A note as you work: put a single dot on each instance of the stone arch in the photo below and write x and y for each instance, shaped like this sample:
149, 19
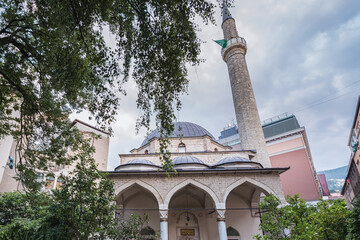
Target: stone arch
267, 190
148, 187
183, 184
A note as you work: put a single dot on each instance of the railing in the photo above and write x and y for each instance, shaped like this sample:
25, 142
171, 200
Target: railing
276, 118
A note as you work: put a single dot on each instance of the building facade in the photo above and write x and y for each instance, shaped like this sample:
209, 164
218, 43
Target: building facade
53, 180
351, 188
215, 191
214, 194
288, 146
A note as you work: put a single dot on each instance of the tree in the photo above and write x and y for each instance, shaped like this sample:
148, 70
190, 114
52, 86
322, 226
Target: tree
354, 221
54, 62
82, 208
299, 220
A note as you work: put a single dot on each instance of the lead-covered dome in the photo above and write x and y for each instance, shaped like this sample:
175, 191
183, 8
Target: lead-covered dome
236, 162
137, 165
182, 129
187, 160
140, 161
227, 160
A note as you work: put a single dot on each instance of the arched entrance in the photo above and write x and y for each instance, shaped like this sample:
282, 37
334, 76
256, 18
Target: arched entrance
242, 210
138, 200
191, 214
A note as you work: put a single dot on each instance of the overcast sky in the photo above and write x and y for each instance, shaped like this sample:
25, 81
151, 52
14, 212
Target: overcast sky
303, 58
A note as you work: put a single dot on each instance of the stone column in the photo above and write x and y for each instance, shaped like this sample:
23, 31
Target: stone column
164, 234
221, 224
55, 181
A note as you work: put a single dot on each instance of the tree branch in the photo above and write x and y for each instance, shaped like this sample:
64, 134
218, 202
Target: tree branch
10, 24
23, 92
78, 23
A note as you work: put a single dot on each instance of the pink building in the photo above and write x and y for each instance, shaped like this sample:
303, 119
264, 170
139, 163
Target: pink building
288, 146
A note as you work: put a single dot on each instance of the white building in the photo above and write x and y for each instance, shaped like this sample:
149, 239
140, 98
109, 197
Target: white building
53, 180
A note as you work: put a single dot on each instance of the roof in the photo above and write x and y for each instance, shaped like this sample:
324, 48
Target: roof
280, 126
276, 126
228, 132
231, 160
186, 160
191, 162
136, 163
140, 161
226, 13
183, 130
278, 170
88, 125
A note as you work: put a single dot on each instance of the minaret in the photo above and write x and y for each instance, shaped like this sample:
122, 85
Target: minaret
247, 116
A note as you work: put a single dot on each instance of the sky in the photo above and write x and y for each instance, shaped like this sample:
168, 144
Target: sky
303, 58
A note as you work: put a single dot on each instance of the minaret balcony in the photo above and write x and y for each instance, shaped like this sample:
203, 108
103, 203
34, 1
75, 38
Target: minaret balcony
237, 42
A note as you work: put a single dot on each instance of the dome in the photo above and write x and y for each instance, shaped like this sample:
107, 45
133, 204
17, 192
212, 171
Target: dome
231, 160
137, 165
140, 161
186, 160
182, 129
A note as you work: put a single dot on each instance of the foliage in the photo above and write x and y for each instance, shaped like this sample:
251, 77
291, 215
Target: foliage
82, 209
354, 221
21, 215
131, 228
54, 61
332, 219
299, 220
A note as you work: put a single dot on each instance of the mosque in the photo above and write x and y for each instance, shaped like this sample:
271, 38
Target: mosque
215, 191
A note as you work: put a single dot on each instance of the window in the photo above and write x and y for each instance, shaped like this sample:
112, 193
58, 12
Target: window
181, 148
216, 150
146, 151
59, 182
49, 182
232, 234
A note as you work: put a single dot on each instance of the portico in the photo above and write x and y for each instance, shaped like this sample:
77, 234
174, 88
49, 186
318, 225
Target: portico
189, 205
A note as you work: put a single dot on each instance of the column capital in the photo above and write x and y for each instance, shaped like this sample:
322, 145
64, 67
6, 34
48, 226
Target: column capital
220, 214
163, 214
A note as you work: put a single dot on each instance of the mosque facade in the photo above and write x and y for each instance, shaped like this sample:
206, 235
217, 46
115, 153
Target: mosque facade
215, 191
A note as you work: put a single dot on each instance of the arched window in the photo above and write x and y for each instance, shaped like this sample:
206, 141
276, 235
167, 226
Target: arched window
49, 184
148, 233
59, 182
232, 234
181, 148
215, 149
146, 151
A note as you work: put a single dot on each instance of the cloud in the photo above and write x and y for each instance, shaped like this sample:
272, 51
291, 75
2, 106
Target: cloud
303, 57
